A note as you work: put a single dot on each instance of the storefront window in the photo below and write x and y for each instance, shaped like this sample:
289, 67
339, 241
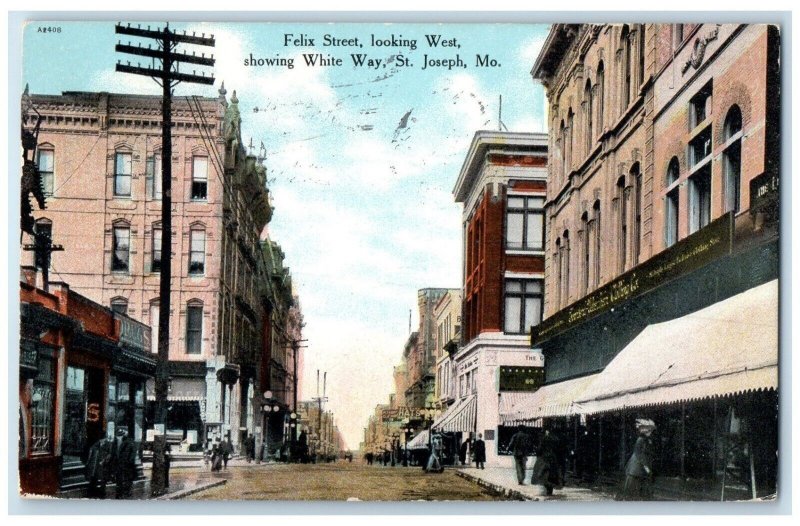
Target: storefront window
42, 405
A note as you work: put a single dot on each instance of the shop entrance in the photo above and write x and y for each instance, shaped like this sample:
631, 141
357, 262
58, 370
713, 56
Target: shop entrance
83, 408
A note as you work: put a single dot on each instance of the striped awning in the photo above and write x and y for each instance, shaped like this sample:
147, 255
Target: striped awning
461, 417
512, 401
728, 348
420, 441
182, 390
549, 401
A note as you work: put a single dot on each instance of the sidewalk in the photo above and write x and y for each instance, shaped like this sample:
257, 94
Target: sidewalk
504, 481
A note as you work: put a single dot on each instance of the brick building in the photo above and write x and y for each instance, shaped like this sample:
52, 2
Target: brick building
502, 185
662, 235
100, 158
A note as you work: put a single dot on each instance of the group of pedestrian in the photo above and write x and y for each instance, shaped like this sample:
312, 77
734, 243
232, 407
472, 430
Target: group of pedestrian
550, 463
476, 449
219, 454
250, 448
112, 460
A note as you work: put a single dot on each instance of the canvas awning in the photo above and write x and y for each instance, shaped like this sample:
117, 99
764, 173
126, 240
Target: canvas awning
461, 417
510, 402
420, 441
181, 390
727, 348
549, 401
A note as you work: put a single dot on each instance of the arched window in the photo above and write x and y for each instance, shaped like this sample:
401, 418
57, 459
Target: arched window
625, 45
45, 161
636, 177
557, 257
601, 90
119, 305
589, 110
123, 168
622, 196
562, 133
194, 327
197, 250
597, 238
732, 159
641, 54
587, 243
120, 246
571, 138
673, 210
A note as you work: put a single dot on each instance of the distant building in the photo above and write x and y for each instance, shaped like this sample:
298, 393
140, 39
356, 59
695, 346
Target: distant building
421, 359
447, 315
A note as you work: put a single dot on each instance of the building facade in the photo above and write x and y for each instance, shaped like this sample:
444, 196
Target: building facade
421, 358
447, 316
662, 231
100, 160
502, 186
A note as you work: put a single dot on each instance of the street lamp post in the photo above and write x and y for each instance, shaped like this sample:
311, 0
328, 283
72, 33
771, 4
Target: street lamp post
268, 408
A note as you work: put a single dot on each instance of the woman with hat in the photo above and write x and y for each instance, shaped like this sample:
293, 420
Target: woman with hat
639, 469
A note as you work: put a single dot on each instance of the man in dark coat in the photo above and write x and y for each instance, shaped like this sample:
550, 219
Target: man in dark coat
462, 452
97, 468
520, 447
227, 451
639, 469
548, 465
123, 462
479, 451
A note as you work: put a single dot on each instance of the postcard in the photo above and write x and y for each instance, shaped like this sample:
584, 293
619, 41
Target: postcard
399, 261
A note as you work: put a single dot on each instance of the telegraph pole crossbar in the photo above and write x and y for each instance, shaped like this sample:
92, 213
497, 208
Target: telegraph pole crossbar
168, 76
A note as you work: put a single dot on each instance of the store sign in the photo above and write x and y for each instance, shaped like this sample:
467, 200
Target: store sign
764, 191
402, 413
133, 333
520, 378
93, 412
691, 253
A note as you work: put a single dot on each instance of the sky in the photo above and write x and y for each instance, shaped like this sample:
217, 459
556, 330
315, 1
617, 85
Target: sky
361, 163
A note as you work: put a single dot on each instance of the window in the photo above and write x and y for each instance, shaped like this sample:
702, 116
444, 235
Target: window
46, 162
557, 255
119, 305
153, 176
622, 195
570, 138
700, 106
700, 199
637, 213
120, 253
122, 174
194, 328
641, 54
600, 95
197, 251
563, 139
677, 35
586, 252
587, 96
200, 178
732, 159
525, 223
154, 313
597, 245
523, 305
42, 404
155, 263
565, 268
700, 147
673, 210
625, 42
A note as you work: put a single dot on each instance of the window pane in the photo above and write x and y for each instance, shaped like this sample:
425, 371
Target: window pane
516, 202
121, 249
200, 169
156, 250
45, 160
119, 306
194, 329
154, 313
197, 254
514, 230
536, 202
123, 164
122, 185
533, 286
535, 232
533, 313
513, 306
513, 286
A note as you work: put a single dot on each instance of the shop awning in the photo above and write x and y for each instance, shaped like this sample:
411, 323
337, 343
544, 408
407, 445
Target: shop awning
549, 401
181, 390
511, 402
461, 417
727, 348
420, 441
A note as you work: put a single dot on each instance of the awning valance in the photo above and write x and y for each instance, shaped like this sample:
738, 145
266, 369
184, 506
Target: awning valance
420, 441
727, 348
181, 390
461, 417
549, 401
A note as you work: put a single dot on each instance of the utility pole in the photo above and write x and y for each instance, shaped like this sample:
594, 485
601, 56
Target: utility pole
168, 75
320, 400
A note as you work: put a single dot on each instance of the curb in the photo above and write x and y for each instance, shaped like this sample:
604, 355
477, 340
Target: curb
191, 491
495, 488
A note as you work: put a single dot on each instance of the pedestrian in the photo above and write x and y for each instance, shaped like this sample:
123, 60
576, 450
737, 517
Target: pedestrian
639, 469
547, 470
434, 464
167, 462
123, 462
216, 455
97, 468
462, 452
227, 451
520, 447
479, 451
